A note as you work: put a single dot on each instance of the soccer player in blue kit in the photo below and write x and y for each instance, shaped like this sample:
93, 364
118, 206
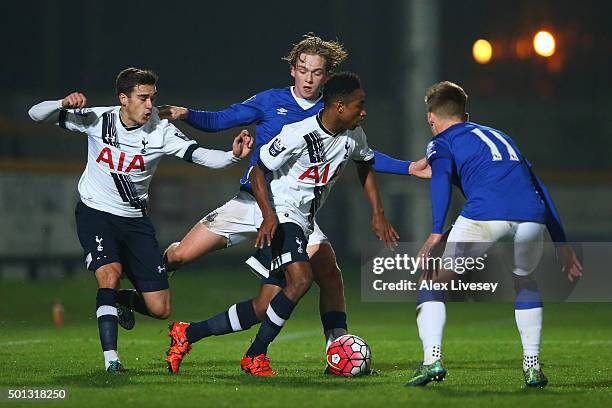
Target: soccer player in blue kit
311, 61
504, 199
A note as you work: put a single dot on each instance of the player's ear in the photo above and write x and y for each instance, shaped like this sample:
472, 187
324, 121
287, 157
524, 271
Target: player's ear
430, 119
292, 71
340, 105
123, 99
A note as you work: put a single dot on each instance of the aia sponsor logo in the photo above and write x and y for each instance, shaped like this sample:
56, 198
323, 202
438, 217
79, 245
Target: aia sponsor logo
319, 176
106, 156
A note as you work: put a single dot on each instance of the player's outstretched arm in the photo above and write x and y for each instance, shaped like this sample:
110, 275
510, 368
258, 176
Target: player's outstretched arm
241, 114
382, 228
389, 165
179, 145
570, 264
260, 191
48, 111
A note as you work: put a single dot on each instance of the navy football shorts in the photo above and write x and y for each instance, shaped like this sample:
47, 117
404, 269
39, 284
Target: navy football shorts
108, 238
288, 246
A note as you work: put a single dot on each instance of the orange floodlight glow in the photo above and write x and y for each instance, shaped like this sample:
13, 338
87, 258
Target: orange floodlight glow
482, 51
544, 43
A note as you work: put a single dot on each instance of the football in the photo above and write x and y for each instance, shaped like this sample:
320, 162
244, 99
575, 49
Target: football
349, 356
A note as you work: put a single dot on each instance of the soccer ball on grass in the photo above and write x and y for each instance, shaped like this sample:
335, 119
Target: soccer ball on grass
349, 356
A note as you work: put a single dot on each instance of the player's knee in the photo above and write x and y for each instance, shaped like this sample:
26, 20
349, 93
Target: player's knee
525, 282
260, 306
299, 285
175, 254
108, 276
160, 310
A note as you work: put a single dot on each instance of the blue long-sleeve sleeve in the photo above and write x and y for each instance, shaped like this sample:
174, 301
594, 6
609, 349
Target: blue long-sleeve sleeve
389, 165
440, 188
238, 114
553, 220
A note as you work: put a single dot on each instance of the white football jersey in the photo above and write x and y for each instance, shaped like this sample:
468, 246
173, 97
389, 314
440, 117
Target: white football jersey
121, 161
305, 160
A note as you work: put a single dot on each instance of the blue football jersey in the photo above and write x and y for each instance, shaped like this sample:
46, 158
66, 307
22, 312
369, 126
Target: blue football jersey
269, 110
494, 177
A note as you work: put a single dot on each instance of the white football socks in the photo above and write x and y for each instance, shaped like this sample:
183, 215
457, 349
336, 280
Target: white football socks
110, 355
430, 322
529, 323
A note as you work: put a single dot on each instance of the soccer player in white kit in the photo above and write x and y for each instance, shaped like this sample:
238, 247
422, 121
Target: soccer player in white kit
311, 62
303, 163
125, 145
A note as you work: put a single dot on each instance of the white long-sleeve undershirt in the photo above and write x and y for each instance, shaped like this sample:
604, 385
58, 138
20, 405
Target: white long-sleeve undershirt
48, 112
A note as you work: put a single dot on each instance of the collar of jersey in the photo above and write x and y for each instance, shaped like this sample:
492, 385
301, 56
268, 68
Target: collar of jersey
128, 128
320, 122
452, 128
304, 103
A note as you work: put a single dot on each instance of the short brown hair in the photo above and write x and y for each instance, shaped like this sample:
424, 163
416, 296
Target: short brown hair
446, 99
131, 77
332, 51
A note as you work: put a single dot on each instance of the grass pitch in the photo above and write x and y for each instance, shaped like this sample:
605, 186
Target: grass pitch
481, 351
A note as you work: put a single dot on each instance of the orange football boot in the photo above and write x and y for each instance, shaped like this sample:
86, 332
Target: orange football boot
258, 366
179, 346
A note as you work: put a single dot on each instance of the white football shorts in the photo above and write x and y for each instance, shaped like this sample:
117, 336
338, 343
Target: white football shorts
238, 220
471, 238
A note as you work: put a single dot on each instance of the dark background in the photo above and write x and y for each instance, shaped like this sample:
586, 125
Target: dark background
209, 55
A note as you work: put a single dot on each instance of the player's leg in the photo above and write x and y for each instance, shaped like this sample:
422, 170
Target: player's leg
97, 237
198, 241
144, 268
431, 319
327, 275
238, 317
228, 225
468, 238
298, 274
431, 311
108, 277
528, 246
299, 280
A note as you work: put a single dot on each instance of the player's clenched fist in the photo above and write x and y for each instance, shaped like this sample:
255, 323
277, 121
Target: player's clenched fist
420, 169
243, 143
74, 100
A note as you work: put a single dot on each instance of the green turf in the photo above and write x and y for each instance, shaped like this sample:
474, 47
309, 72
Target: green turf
481, 351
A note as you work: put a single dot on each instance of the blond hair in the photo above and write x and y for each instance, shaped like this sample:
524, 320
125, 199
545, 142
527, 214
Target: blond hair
332, 51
